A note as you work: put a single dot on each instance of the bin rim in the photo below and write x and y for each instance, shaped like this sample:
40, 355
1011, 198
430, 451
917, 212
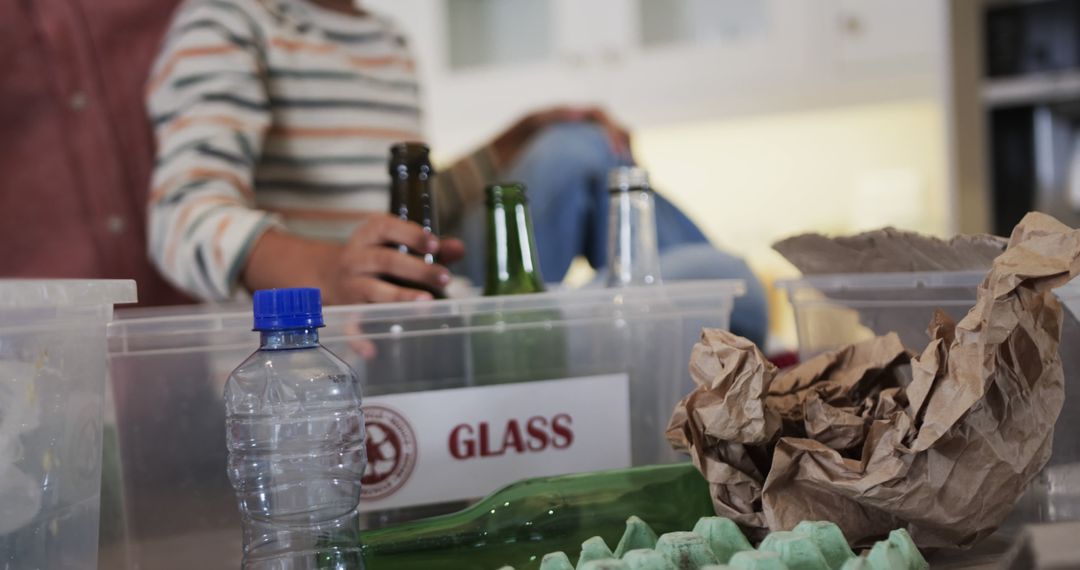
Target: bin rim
830, 282
677, 298
40, 293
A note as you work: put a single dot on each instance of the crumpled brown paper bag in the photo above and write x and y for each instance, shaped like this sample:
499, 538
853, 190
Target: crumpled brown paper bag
874, 438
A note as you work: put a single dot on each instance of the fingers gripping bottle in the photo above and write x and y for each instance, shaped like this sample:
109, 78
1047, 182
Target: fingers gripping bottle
296, 441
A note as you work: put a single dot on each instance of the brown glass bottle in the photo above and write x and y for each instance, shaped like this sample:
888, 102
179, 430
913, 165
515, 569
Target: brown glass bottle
412, 198
408, 355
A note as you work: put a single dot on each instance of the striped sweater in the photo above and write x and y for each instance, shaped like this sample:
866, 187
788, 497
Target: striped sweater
278, 113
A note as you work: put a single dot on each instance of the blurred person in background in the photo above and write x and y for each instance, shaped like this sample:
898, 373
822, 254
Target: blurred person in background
273, 120
77, 152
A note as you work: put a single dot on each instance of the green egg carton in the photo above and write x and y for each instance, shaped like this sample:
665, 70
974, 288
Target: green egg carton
716, 543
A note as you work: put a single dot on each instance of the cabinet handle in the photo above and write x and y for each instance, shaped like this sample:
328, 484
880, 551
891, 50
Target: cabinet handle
851, 25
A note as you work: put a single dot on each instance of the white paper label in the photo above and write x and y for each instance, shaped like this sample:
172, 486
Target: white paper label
464, 443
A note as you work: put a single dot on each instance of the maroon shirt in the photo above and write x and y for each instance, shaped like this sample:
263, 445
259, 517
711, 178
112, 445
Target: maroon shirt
76, 148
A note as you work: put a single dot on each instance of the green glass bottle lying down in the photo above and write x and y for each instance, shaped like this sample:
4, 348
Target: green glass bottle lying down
521, 523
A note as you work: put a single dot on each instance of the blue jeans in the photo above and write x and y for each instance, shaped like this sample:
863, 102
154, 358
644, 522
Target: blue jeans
565, 168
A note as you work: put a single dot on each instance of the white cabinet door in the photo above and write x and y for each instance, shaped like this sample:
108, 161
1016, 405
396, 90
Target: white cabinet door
662, 61
467, 105
767, 56
883, 36
592, 31
880, 50
740, 60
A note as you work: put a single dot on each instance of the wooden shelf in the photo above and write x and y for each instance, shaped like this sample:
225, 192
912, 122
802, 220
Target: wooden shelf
1043, 88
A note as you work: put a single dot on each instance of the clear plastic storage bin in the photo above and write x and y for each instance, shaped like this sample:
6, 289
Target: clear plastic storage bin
461, 397
52, 394
834, 310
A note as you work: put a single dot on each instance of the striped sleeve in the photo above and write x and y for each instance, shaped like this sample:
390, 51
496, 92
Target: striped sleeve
462, 185
209, 108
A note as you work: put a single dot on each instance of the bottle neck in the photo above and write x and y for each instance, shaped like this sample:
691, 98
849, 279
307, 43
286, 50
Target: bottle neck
412, 198
633, 252
289, 339
513, 265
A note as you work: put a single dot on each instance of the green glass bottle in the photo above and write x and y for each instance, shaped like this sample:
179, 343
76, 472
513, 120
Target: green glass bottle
521, 523
513, 267
514, 344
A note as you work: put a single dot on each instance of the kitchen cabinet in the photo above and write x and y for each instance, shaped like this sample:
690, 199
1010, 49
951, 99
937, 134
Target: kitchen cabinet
884, 36
483, 63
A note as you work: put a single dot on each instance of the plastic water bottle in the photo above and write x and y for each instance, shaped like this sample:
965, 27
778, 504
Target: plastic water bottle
296, 441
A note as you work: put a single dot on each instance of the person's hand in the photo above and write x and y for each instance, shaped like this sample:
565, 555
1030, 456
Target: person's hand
511, 142
371, 254
353, 272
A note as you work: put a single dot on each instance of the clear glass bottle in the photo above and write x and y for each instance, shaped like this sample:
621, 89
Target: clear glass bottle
295, 434
633, 254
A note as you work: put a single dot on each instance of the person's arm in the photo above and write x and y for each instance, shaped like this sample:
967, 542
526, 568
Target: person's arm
209, 109
462, 184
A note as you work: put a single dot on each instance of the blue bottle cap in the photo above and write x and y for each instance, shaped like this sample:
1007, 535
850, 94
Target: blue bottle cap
284, 309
